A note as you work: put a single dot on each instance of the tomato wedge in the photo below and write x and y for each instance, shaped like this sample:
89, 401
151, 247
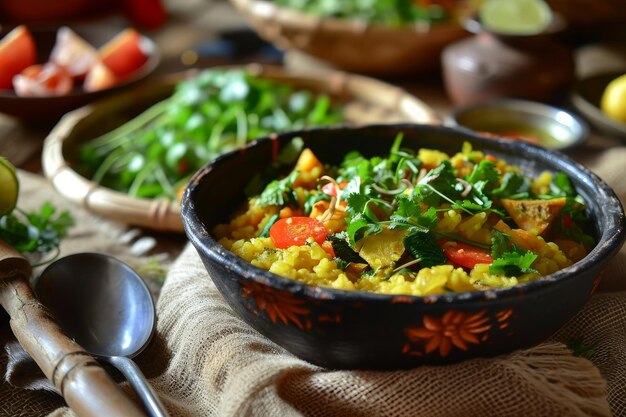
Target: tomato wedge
17, 52
466, 255
295, 231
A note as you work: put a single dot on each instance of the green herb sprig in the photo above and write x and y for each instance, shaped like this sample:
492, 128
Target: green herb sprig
36, 232
154, 154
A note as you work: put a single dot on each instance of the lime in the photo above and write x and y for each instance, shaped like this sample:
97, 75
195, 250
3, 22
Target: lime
613, 101
9, 187
515, 17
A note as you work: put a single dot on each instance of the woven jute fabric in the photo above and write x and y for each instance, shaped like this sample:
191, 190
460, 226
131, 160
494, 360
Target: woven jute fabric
205, 361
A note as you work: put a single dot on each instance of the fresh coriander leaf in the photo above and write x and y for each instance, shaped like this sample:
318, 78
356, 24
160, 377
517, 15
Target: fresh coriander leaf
278, 192
394, 152
409, 214
472, 207
514, 186
499, 243
561, 186
438, 186
421, 245
484, 171
37, 231
359, 227
513, 264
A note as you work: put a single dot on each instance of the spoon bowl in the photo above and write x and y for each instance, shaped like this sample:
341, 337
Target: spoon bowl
106, 307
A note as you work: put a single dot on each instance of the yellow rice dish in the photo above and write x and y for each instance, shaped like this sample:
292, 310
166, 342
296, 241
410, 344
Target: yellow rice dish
415, 222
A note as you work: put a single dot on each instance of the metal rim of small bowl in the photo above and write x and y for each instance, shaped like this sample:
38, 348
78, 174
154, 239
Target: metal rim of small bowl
609, 242
525, 107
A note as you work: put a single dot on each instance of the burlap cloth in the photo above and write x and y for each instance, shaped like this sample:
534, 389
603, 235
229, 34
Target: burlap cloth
205, 361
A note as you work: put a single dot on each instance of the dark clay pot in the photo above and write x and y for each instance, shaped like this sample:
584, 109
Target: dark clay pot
353, 329
489, 65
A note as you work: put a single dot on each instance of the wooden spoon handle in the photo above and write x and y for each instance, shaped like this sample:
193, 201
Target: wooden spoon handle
84, 384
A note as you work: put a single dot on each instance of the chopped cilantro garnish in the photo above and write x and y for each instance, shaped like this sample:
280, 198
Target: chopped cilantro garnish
278, 192
359, 227
423, 246
514, 264
484, 171
36, 231
514, 186
560, 186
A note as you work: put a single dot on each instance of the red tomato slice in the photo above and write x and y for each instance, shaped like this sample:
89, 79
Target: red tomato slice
466, 255
17, 52
98, 78
294, 231
125, 53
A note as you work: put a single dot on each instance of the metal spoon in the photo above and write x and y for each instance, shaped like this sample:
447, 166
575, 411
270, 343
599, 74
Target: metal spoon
107, 308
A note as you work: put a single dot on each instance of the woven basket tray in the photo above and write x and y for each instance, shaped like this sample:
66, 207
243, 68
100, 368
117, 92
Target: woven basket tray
350, 44
364, 100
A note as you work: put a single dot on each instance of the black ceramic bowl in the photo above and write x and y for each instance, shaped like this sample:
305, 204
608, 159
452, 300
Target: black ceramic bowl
349, 329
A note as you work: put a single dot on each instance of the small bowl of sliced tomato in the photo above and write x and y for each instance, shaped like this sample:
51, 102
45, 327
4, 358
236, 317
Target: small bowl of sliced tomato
44, 73
392, 246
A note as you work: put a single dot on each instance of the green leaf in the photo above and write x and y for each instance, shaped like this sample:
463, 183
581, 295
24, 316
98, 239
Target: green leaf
513, 264
359, 227
484, 171
499, 243
278, 192
561, 186
37, 231
424, 246
438, 186
514, 186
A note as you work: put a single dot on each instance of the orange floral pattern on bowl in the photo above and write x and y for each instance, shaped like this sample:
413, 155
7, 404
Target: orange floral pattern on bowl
455, 329
279, 305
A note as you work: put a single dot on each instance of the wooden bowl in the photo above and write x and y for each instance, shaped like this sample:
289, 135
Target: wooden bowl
356, 329
48, 110
364, 100
351, 45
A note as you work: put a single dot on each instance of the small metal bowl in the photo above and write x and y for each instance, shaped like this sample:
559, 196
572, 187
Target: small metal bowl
529, 121
586, 97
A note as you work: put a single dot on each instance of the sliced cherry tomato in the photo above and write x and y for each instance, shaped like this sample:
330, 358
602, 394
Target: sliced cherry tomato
295, 231
491, 158
466, 255
99, 77
125, 53
328, 247
17, 52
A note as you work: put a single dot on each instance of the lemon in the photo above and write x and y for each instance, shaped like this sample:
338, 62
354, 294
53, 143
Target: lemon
515, 17
9, 187
613, 101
